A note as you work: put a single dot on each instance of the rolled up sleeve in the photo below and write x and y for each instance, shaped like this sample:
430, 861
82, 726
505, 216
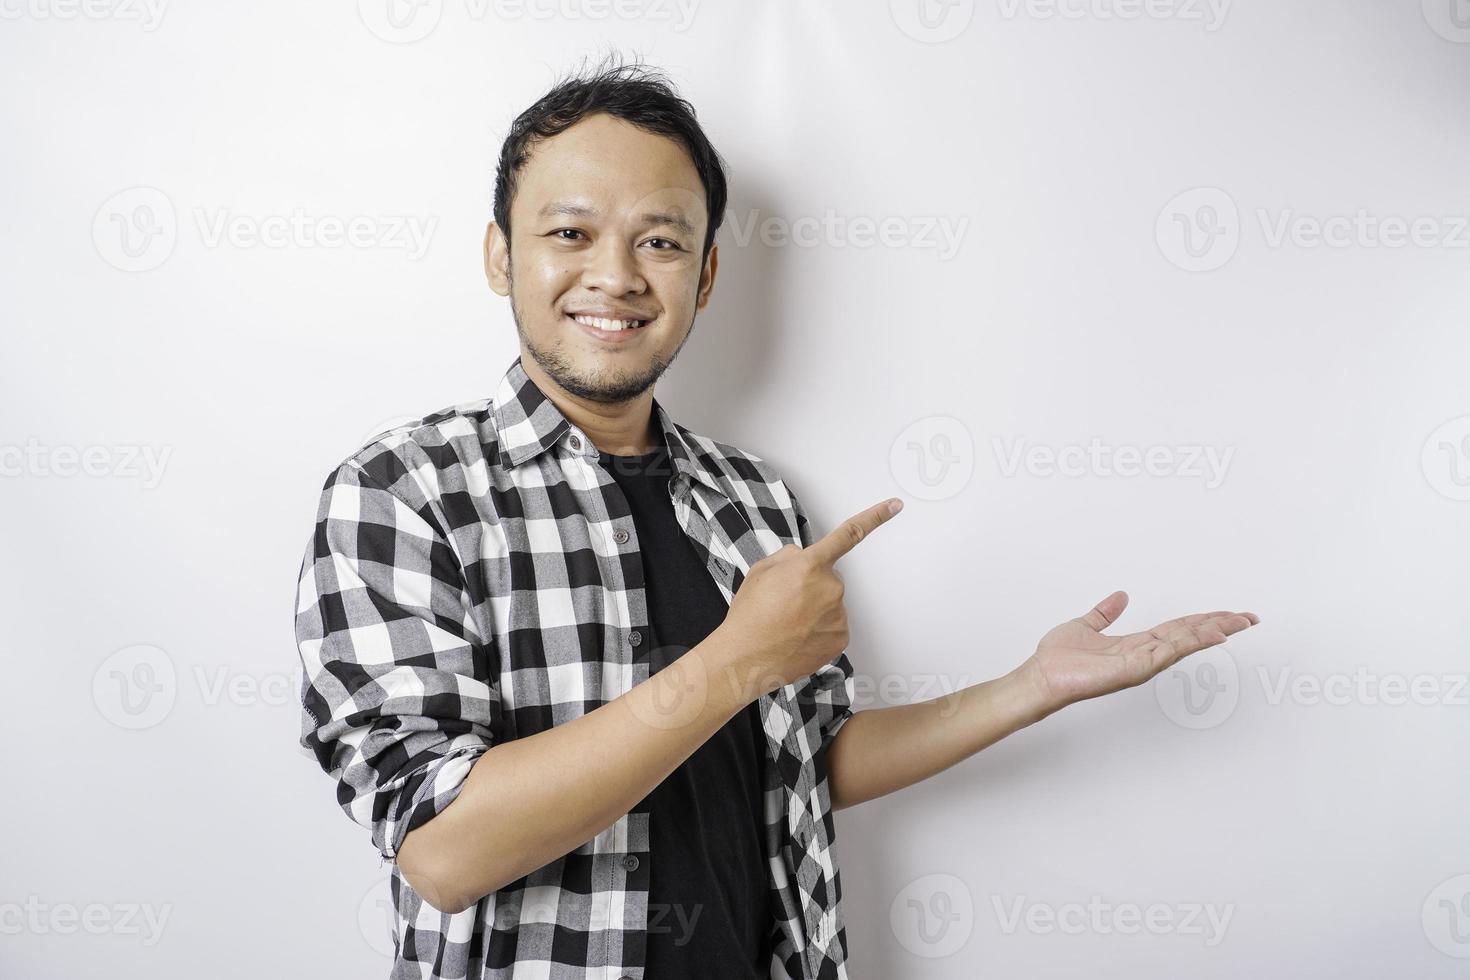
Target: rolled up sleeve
832, 688
398, 698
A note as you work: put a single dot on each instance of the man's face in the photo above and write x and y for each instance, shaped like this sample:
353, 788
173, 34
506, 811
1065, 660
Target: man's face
607, 220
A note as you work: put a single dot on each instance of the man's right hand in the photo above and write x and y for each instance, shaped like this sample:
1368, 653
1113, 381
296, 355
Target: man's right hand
788, 611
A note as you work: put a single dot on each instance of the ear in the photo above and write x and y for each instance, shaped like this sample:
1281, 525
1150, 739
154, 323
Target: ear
707, 278
497, 260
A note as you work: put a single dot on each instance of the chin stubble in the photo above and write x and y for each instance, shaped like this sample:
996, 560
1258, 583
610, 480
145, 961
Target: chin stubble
598, 389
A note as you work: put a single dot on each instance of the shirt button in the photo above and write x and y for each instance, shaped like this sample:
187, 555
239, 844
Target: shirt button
630, 862
620, 536
635, 638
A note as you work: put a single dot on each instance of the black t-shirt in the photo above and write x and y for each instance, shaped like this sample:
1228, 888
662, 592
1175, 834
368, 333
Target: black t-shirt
709, 914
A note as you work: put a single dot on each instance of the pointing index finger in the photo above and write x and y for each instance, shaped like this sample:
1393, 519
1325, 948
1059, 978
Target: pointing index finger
845, 536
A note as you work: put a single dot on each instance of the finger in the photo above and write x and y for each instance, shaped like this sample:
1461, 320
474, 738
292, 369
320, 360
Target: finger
845, 536
1196, 619
1106, 612
1190, 620
1169, 648
1183, 639
1228, 623
1235, 622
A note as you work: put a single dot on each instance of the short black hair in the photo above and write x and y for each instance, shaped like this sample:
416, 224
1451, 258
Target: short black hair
631, 91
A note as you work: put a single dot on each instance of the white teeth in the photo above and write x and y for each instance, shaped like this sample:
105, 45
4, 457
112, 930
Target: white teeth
603, 324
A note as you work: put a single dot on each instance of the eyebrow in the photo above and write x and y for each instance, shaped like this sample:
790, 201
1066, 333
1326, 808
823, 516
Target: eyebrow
567, 208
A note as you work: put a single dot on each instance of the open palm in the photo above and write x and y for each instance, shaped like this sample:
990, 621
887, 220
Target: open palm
1076, 661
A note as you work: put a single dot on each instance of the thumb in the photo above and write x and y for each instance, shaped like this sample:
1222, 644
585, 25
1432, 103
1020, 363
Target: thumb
1106, 612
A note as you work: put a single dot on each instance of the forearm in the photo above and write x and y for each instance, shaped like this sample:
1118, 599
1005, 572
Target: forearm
880, 750
528, 801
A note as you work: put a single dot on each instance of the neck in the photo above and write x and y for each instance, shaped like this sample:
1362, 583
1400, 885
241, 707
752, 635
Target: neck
623, 429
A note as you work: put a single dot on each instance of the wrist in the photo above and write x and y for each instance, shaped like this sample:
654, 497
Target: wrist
734, 671
1030, 691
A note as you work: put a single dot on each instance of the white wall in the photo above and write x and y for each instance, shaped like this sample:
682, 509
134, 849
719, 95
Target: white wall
1065, 150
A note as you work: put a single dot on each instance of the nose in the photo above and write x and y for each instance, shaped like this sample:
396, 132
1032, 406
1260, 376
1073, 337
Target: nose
612, 268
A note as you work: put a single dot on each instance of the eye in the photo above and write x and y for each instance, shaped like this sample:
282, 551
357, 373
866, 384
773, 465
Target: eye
673, 245
574, 231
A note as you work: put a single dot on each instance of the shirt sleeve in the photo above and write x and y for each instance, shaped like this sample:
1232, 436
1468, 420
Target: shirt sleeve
832, 688
397, 698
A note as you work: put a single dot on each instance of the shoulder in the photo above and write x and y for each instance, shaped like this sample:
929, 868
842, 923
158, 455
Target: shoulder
420, 459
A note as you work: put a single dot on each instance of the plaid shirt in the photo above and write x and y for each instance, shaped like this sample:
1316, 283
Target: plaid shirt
465, 585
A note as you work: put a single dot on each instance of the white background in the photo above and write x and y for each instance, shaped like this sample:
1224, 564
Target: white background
1075, 146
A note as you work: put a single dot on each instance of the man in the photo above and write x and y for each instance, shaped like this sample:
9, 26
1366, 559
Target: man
579, 670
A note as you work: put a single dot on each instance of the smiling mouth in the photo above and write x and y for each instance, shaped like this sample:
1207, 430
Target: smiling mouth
606, 325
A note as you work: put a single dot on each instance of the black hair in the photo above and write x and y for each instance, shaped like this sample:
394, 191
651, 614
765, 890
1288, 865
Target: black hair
631, 91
